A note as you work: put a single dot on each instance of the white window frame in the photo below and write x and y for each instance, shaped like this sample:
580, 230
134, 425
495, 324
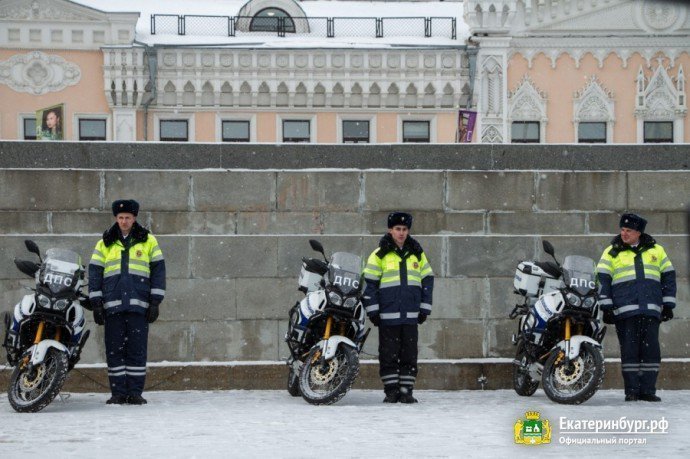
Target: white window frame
220, 117
304, 117
371, 117
418, 117
189, 117
93, 116
20, 124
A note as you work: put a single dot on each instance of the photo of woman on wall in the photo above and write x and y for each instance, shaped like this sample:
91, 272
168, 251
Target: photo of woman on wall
51, 123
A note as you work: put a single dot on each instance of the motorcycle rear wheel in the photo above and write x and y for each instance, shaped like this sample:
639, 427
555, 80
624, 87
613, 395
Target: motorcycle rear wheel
590, 366
30, 392
293, 383
523, 383
326, 383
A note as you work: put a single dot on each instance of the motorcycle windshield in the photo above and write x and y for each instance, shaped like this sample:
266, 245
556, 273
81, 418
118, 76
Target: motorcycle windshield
61, 270
344, 271
578, 274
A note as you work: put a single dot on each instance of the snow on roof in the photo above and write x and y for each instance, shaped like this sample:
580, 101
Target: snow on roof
313, 9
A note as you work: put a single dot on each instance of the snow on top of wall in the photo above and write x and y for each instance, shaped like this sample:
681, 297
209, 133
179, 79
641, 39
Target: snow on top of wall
313, 9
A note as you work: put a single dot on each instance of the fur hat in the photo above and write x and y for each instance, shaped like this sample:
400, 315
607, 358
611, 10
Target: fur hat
125, 205
399, 218
633, 222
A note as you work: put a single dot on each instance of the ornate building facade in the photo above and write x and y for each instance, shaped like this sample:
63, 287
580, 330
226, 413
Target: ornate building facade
549, 71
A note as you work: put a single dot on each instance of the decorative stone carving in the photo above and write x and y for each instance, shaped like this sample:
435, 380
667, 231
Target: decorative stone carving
527, 103
491, 134
38, 73
593, 103
660, 98
44, 10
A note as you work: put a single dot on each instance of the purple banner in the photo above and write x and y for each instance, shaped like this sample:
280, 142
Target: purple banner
466, 120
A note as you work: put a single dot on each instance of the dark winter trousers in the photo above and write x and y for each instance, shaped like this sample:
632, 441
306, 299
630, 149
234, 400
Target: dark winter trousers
398, 356
126, 338
640, 354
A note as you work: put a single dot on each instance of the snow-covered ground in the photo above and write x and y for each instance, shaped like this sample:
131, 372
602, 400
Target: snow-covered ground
271, 424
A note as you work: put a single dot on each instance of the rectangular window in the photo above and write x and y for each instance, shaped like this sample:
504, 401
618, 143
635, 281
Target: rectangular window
524, 132
416, 131
92, 129
235, 131
658, 131
174, 130
355, 131
296, 131
591, 133
29, 128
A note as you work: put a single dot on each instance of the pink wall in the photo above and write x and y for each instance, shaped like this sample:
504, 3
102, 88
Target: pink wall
87, 96
561, 83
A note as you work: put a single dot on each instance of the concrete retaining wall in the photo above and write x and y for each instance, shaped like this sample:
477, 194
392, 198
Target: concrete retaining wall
233, 229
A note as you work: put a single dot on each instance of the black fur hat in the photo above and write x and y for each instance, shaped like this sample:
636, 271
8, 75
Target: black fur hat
125, 205
634, 222
399, 218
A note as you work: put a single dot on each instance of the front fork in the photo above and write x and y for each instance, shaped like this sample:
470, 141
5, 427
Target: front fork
326, 334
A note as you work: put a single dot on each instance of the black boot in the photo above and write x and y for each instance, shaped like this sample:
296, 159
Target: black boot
632, 398
649, 398
136, 400
406, 395
117, 400
392, 396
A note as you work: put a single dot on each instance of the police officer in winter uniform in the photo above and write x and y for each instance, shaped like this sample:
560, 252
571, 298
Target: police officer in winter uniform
637, 291
397, 298
126, 287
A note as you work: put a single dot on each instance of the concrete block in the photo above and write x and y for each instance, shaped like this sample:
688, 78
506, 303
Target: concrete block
216, 191
49, 189
587, 246
233, 256
582, 191
388, 191
659, 191
291, 249
154, 190
500, 332
485, 190
343, 223
678, 250
682, 309
673, 338
199, 300
19, 222
11, 293
477, 256
657, 222
536, 223
451, 339
456, 298
176, 251
605, 222
82, 222
206, 223
310, 191
502, 299
266, 298
279, 223
432, 222
13, 247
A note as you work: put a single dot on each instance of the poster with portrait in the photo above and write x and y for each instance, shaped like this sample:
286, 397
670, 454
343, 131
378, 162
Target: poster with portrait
49, 122
466, 121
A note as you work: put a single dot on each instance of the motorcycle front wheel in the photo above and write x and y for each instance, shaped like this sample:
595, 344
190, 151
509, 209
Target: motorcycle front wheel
523, 383
326, 382
33, 389
576, 381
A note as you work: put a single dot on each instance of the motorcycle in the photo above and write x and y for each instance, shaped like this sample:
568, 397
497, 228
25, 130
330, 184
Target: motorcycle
559, 335
326, 328
41, 349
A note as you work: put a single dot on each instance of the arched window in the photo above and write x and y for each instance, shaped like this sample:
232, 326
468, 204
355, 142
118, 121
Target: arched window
270, 19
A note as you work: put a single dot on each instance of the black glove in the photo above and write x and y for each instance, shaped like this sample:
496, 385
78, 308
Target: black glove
609, 317
152, 312
376, 320
421, 318
666, 314
98, 311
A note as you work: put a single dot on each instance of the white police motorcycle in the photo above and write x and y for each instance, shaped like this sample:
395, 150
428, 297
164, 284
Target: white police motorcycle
326, 329
559, 335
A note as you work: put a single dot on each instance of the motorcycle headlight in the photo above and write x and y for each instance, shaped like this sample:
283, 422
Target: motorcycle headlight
335, 298
350, 303
589, 302
60, 304
44, 301
573, 299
